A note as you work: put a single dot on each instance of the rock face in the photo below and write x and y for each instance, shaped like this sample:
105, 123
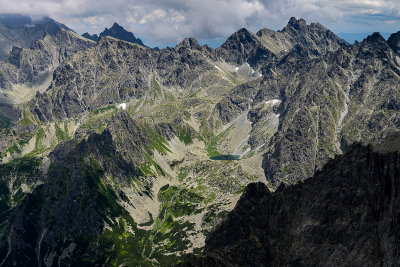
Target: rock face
346, 215
27, 70
32, 65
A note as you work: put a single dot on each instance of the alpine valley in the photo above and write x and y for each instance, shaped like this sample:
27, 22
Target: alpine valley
278, 148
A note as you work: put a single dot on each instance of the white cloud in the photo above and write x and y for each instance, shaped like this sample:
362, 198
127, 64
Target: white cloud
172, 20
93, 20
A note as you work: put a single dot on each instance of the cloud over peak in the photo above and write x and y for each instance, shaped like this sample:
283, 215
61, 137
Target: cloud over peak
170, 21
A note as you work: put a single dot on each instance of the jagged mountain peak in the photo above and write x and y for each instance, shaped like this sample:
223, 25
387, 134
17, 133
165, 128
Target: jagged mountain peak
375, 37
119, 32
242, 35
394, 42
299, 28
301, 25
375, 44
269, 46
93, 37
190, 43
297, 24
117, 26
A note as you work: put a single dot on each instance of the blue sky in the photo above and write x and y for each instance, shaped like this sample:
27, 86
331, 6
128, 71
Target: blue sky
166, 22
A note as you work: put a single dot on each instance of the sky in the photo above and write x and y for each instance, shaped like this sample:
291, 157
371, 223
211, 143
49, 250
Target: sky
166, 22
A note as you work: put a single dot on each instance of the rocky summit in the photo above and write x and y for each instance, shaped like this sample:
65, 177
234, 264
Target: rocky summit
115, 31
278, 148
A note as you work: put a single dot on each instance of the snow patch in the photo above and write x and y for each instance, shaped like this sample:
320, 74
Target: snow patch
273, 102
218, 68
342, 116
123, 106
25, 188
76, 128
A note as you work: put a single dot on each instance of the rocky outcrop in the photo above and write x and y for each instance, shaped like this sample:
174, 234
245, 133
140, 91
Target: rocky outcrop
28, 70
346, 215
244, 47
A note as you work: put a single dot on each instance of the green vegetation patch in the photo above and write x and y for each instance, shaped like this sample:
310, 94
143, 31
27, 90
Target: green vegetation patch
184, 135
27, 118
158, 142
212, 144
61, 133
111, 108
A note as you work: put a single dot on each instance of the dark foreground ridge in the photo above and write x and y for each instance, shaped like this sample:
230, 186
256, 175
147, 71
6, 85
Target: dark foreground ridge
346, 215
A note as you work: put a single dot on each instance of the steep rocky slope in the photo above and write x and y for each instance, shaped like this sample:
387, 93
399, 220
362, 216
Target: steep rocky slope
346, 215
320, 106
22, 31
26, 71
36, 63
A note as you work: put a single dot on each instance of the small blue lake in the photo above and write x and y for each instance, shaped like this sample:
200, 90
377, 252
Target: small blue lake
226, 157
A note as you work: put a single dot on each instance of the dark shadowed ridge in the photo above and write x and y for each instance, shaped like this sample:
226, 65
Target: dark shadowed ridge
346, 215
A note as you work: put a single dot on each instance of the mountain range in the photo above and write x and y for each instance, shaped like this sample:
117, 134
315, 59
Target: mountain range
255, 153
